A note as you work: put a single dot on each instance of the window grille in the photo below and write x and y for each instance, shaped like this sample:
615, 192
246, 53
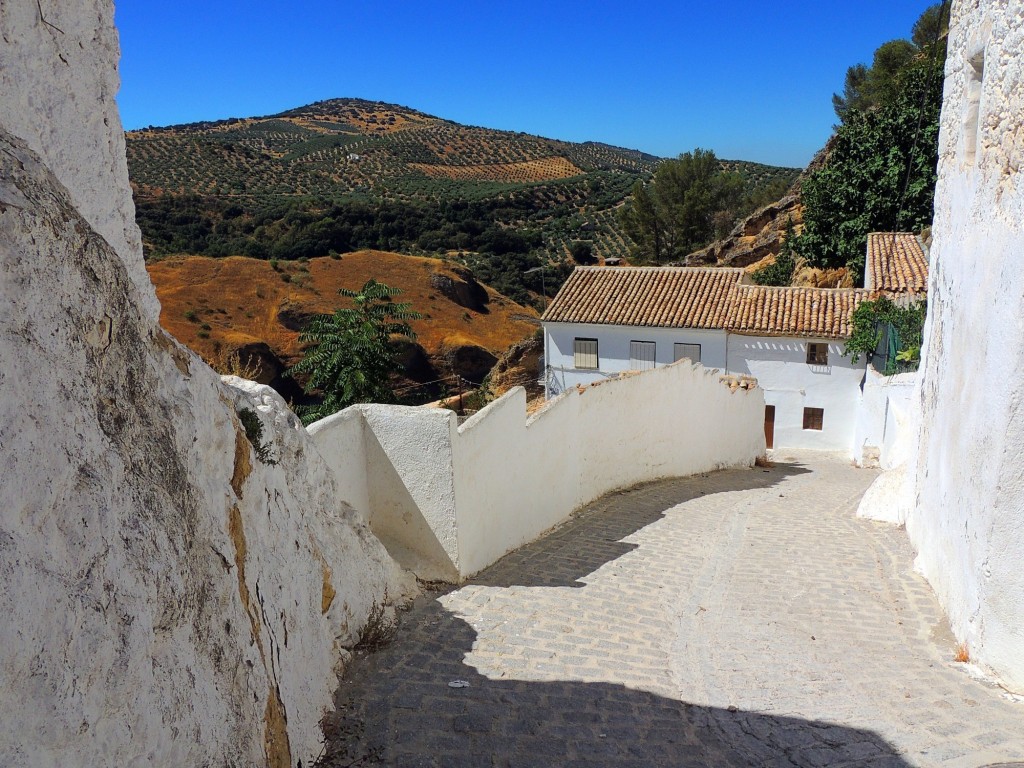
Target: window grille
813, 418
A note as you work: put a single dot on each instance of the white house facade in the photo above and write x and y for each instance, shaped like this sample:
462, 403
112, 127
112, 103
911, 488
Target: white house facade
604, 322
792, 341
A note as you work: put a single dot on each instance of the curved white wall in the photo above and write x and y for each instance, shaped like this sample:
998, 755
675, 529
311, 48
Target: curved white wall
450, 501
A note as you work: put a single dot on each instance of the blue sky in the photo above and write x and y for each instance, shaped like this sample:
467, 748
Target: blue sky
752, 81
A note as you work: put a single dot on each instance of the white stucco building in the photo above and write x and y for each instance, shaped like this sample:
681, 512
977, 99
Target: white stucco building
607, 321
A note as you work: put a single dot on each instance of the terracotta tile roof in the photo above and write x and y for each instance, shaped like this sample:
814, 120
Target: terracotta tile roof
664, 297
819, 312
896, 263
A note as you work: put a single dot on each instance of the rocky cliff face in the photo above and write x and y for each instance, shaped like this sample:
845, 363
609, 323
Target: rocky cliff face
760, 234
180, 582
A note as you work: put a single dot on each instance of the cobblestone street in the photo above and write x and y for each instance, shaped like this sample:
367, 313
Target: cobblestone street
741, 618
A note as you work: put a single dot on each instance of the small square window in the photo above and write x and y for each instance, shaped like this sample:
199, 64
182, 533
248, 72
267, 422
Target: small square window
813, 418
584, 352
817, 354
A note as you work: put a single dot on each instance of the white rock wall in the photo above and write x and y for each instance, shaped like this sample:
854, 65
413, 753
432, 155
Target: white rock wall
967, 516
168, 599
58, 80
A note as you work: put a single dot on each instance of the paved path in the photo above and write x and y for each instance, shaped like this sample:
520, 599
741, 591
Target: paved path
740, 618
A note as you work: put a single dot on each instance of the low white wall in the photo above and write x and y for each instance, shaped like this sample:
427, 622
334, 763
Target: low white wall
514, 479
885, 424
780, 366
340, 439
613, 349
448, 501
394, 465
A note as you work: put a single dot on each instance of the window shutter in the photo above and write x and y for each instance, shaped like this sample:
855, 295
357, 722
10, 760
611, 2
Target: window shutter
641, 355
689, 351
585, 353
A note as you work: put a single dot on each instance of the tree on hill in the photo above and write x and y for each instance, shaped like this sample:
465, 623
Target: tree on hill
674, 214
881, 173
350, 357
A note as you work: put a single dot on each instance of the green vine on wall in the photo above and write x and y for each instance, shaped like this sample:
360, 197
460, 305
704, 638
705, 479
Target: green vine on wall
872, 318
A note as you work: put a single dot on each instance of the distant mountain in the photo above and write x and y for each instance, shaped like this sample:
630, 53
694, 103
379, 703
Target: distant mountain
345, 174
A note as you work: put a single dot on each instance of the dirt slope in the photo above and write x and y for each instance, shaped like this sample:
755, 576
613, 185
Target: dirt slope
217, 306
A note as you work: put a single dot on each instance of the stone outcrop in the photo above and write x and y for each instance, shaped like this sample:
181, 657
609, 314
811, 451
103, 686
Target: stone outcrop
461, 286
757, 236
520, 366
180, 581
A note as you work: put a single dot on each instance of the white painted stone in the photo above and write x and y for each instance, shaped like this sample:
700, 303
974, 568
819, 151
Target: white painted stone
168, 598
58, 79
967, 518
886, 421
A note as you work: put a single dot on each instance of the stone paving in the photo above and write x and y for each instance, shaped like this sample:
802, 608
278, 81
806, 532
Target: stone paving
740, 618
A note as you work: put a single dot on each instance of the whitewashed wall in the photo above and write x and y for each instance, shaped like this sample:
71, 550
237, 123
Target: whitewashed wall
613, 349
780, 366
168, 598
448, 502
885, 420
967, 495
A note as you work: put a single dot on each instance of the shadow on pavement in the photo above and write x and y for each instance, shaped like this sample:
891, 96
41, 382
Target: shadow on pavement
595, 535
395, 707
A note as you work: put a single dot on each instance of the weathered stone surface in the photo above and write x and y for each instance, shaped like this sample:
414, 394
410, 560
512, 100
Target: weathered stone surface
461, 287
520, 366
967, 490
170, 597
164, 589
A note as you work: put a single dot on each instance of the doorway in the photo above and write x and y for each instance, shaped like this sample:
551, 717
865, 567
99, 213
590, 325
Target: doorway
769, 426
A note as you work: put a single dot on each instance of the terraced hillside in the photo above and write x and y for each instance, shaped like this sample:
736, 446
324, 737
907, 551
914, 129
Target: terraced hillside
345, 174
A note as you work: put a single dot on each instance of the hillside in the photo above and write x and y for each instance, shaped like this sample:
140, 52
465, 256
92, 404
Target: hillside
218, 306
346, 174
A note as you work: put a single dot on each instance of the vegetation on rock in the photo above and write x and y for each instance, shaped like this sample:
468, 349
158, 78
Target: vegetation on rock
779, 272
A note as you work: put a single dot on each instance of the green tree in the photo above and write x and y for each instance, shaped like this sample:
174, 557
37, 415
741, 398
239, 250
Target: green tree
867, 88
350, 357
881, 170
880, 175
674, 214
